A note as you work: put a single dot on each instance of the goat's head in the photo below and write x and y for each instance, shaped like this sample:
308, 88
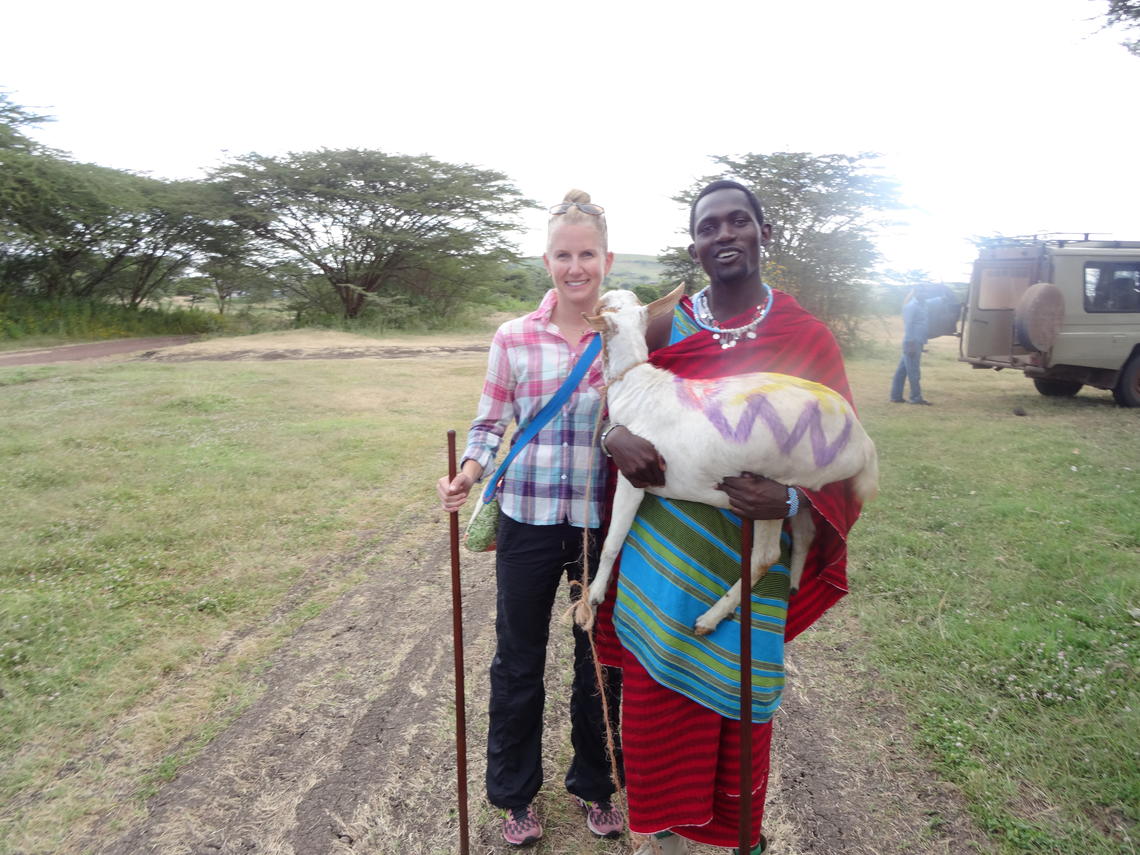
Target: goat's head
622, 309
622, 322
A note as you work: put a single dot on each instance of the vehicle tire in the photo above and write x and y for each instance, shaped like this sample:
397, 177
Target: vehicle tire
1127, 389
1038, 316
1057, 388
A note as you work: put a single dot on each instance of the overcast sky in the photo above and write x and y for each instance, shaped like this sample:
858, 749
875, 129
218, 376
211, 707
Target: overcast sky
997, 116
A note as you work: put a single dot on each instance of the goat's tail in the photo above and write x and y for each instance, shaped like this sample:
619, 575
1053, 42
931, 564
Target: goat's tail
866, 481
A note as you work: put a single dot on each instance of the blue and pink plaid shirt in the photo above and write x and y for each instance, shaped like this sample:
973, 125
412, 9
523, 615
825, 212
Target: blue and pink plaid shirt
546, 483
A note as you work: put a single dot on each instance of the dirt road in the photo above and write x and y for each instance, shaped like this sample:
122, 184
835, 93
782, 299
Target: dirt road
350, 746
91, 350
185, 348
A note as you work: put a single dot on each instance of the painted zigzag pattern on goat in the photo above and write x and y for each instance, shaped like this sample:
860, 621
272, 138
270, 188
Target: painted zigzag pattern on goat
706, 397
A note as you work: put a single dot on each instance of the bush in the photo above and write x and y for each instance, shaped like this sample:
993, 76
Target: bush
25, 317
22, 317
249, 320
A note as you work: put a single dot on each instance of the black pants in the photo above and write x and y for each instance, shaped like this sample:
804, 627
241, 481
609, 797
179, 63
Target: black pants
530, 563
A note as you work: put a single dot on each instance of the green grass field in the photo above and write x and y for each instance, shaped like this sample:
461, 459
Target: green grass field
998, 576
155, 511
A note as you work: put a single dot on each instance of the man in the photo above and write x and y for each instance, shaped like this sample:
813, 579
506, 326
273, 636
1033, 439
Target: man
916, 331
681, 742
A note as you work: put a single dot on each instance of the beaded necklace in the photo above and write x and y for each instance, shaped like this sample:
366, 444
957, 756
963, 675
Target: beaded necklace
728, 337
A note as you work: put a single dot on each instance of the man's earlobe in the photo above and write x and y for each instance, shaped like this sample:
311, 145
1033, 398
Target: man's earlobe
693, 252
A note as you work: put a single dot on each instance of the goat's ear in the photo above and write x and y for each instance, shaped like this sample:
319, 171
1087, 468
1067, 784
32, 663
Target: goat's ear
664, 305
596, 322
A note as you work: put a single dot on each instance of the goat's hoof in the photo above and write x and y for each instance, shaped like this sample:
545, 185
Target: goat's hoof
793, 591
584, 617
702, 629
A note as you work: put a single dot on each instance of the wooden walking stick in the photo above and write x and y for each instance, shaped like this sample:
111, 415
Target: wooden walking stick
457, 634
746, 530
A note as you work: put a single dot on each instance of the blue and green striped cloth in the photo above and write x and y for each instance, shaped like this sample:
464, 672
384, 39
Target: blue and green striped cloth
678, 560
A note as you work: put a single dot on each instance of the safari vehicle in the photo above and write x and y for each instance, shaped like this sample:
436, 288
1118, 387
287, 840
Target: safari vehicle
1064, 311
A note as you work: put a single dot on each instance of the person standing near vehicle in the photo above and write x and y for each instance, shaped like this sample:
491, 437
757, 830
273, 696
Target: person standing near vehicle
680, 708
545, 508
916, 331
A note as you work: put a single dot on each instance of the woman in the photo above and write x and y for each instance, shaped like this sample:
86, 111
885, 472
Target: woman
544, 510
680, 726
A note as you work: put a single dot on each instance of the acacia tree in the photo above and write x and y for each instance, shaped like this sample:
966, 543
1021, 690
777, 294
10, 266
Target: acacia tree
1126, 15
13, 117
155, 236
376, 225
824, 210
227, 268
64, 225
678, 267
53, 212
78, 230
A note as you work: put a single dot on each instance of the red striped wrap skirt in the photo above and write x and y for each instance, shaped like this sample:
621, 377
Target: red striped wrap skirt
682, 764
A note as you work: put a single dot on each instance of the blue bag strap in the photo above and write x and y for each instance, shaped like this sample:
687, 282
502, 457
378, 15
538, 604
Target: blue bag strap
547, 412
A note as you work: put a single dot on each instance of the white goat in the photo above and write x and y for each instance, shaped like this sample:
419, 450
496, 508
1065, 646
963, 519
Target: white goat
774, 425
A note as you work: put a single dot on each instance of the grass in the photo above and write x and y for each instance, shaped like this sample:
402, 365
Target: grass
163, 522
29, 322
156, 517
998, 578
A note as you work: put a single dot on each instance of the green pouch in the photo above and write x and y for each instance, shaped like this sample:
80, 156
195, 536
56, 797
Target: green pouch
483, 527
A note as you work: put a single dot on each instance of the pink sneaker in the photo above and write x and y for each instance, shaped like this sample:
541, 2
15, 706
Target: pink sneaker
602, 818
521, 826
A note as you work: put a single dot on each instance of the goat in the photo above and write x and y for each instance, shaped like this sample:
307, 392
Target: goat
689, 423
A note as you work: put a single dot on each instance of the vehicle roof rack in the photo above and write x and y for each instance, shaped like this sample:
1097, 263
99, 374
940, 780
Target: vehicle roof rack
1057, 239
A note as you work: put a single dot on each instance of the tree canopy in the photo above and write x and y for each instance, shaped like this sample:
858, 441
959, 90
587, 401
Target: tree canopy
362, 232
336, 232
680, 268
1125, 14
72, 229
374, 224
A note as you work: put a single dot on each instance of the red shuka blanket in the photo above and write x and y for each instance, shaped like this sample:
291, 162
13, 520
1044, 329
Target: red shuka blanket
790, 341
682, 759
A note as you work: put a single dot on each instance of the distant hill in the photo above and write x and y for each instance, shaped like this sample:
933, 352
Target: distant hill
629, 270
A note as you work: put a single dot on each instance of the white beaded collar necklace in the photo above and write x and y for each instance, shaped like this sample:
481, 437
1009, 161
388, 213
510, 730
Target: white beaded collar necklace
728, 336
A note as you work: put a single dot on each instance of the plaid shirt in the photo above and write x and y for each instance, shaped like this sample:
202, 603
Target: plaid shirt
546, 482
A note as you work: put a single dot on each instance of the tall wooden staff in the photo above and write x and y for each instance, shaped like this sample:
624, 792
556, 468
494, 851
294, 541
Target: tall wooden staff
457, 634
746, 530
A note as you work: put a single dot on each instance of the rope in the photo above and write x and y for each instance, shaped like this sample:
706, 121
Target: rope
583, 608
582, 612
621, 377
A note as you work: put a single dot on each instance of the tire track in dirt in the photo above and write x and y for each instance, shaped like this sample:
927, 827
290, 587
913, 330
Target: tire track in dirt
351, 747
383, 731
345, 702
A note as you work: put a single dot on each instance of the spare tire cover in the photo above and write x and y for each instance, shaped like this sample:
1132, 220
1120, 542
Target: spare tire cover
1038, 316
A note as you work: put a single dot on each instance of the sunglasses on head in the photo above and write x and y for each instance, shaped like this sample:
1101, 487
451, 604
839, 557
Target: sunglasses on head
584, 207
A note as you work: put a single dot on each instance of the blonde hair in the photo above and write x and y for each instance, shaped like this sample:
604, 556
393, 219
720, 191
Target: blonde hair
578, 217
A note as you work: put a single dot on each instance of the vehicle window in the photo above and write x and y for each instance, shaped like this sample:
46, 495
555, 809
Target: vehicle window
1002, 285
1112, 286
